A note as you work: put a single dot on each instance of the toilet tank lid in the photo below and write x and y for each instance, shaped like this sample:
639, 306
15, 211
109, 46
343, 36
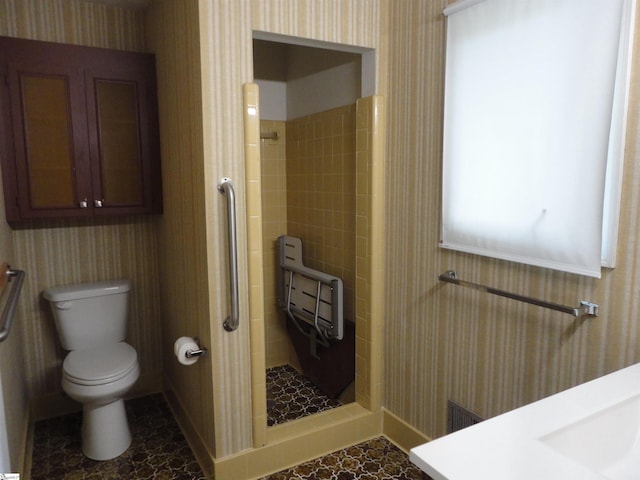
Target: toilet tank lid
86, 290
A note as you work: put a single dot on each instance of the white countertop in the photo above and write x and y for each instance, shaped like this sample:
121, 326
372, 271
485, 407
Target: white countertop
513, 446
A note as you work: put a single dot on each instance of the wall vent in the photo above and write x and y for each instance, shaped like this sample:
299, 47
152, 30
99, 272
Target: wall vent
459, 417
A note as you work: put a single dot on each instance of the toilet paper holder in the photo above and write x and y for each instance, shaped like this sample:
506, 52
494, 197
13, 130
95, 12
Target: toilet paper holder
200, 352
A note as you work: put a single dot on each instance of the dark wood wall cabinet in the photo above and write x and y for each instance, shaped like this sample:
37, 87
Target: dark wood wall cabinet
79, 131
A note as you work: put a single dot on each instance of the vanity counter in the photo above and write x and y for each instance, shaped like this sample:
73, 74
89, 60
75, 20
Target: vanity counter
588, 432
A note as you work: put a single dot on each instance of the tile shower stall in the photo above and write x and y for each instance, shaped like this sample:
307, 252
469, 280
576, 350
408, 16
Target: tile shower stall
309, 174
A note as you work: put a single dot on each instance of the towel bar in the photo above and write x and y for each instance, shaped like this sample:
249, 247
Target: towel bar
269, 136
585, 308
12, 302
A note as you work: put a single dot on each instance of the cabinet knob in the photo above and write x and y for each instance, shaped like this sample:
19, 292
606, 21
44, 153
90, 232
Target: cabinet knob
84, 204
98, 203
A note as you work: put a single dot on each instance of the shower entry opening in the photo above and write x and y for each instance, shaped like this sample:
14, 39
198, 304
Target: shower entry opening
315, 137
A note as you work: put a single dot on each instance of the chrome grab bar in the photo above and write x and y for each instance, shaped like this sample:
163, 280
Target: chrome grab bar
585, 308
225, 187
12, 302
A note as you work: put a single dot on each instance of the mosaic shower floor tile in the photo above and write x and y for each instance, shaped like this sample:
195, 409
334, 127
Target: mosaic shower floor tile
158, 451
293, 396
377, 459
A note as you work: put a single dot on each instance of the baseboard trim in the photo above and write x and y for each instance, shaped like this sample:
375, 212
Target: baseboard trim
195, 441
400, 432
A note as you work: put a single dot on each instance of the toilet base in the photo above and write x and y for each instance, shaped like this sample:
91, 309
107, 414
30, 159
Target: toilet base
105, 430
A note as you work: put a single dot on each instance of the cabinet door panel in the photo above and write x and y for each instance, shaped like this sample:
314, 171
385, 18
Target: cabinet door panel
123, 138
118, 136
48, 138
48, 141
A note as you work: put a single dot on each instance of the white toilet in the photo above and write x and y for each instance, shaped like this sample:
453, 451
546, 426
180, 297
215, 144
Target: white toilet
91, 319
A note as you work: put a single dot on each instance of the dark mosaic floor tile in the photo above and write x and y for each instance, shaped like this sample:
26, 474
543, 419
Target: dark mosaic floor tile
377, 459
158, 450
294, 396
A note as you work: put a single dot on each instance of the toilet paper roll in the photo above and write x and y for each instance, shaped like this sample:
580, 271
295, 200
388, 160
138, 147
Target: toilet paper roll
180, 341
181, 347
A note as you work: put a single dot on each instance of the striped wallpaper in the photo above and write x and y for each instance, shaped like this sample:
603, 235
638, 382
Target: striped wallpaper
73, 21
445, 342
225, 37
186, 294
69, 252
226, 55
440, 341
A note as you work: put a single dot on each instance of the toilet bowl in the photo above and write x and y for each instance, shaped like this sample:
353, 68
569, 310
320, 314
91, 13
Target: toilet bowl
100, 367
98, 378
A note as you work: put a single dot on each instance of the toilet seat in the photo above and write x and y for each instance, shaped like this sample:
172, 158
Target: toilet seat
99, 366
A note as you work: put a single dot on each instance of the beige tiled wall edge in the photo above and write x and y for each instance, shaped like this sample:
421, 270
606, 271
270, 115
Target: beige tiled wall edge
256, 284
370, 119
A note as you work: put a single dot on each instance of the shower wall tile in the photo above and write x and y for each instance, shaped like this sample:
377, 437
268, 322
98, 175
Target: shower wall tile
274, 220
363, 242
370, 254
69, 252
256, 261
321, 187
377, 252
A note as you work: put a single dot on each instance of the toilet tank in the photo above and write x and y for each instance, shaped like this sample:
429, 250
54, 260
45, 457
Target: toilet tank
89, 315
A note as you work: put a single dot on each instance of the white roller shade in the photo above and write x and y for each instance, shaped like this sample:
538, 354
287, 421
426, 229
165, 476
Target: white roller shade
529, 106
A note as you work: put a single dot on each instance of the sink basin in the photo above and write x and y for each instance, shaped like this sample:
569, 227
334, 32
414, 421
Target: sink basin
588, 432
607, 441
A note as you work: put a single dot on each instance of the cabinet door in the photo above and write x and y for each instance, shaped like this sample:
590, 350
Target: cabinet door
48, 139
122, 135
78, 131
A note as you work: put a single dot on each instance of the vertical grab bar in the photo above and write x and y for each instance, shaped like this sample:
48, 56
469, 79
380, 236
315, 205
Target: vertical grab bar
225, 187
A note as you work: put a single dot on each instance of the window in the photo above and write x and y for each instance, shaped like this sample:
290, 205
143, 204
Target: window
535, 112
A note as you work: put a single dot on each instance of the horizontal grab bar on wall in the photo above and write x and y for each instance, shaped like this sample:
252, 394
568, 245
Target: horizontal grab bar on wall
225, 187
585, 308
12, 302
